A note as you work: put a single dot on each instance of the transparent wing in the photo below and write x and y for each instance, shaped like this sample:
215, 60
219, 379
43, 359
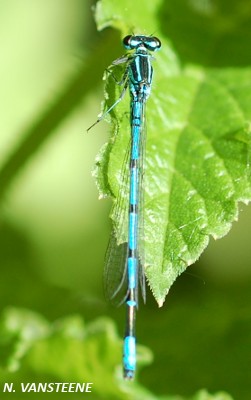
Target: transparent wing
141, 236
115, 270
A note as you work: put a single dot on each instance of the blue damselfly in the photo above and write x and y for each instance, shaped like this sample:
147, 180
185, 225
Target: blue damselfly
138, 78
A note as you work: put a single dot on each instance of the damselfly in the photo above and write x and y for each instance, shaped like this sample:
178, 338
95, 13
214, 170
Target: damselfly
138, 77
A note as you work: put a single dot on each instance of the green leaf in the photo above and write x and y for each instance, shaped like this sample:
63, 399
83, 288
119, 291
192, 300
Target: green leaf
70, 351
204, 395
124, 15
197, 155
92, 351
215, 33
19, 329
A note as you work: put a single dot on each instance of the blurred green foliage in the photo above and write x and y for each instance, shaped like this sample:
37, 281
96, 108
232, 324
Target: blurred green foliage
53, 229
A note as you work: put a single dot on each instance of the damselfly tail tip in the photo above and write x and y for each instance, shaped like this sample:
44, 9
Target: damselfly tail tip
129, 357
128, 375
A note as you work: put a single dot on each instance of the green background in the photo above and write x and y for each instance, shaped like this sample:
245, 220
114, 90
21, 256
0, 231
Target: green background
54, 230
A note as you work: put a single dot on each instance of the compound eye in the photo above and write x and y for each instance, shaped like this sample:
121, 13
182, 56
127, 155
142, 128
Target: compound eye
127, 42
157, 43
153, 44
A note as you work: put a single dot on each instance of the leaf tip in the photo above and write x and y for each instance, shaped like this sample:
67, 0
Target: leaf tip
160, 302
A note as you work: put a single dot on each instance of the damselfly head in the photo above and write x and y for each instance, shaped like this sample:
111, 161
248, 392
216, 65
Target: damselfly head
132, 42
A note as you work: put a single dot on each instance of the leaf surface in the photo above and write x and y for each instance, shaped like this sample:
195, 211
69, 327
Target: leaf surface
197, 157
